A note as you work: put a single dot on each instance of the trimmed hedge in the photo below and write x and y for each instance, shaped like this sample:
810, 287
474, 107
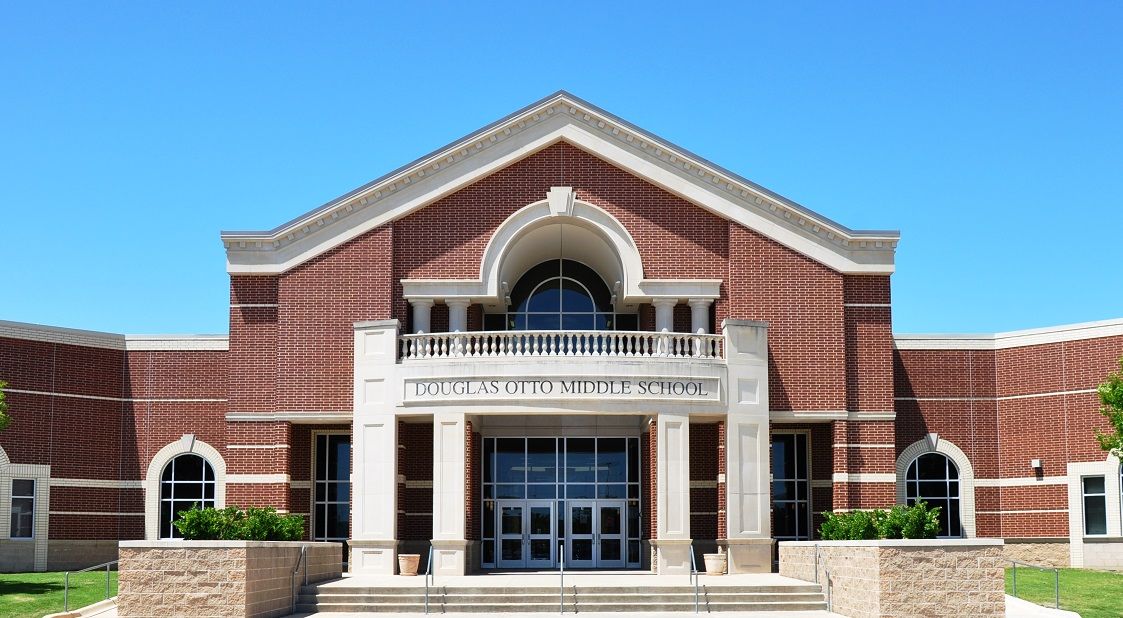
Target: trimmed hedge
234, 524
900, 522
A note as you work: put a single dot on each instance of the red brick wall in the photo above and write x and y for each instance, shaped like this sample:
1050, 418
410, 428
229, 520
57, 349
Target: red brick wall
704, 470
415, 463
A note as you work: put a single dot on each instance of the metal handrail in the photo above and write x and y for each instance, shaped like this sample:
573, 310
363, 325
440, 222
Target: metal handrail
429, 573
561, 578
1056, 580
694, 576
302, 559
66, 582
827, 574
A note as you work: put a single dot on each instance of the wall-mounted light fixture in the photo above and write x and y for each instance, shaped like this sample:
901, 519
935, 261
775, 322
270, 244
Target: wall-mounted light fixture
1035, 464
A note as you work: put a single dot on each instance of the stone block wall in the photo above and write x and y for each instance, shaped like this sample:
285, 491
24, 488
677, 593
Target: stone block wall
904, 578
1105, 553
199, 579
1041, 552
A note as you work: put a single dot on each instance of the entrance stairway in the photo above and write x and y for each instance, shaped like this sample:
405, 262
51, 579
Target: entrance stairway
335, 597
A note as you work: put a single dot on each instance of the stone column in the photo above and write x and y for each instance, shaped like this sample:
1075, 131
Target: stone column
700, 315
672, 461
374, 469
457, 314
664, 314
422, 307
748, 533
449, 543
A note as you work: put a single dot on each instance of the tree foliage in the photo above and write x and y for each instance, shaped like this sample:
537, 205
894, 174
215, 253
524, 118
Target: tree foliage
1111, 398
5, 420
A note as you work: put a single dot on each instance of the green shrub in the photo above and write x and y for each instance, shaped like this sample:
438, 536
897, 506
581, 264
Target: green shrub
234, 524
901, 522
915, 522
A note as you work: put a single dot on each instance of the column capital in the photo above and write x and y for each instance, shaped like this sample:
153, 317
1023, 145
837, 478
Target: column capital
421, 302
664, 302
458, 302
700, 302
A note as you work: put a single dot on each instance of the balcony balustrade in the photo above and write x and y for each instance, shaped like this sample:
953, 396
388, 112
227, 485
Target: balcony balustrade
561, 343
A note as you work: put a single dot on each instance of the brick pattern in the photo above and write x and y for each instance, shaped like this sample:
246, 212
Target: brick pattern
648, 453
473, 451
703, 481
415, 484
719, 439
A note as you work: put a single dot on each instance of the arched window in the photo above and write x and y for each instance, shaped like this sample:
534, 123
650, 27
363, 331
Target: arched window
933, 478
187, 480
563, 295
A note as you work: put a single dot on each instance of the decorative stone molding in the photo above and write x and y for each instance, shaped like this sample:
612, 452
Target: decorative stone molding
188, 443
1010, 339
932, 443
559, 117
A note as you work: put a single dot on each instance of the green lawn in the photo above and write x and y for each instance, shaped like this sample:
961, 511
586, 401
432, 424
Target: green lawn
31, 595
1092, 594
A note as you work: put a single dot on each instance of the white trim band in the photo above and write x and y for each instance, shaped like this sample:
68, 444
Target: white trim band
864, 477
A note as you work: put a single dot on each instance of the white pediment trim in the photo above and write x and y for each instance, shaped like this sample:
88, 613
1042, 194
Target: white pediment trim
560, 117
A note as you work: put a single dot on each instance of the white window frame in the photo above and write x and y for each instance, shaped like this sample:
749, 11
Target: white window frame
12, 506
41, 475
1108, 467
186, 444
947, 481
203, 502
810, 484
1084, 495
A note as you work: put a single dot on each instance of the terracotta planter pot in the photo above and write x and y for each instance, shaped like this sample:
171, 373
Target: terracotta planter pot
715, 564
407, 563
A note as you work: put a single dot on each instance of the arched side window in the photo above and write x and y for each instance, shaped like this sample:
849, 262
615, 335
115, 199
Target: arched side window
940, 473
934, 478
562, 295
185, 472
187, 481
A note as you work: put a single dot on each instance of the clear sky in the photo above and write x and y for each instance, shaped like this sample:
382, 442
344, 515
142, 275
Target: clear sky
989, 133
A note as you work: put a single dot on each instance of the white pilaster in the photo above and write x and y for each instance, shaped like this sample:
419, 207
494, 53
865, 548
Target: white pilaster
449, 544
664, 314
673, 493
748, 503
422, 308
374, 470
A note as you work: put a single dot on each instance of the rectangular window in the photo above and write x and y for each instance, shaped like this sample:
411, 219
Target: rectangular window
1095, 505
23, 508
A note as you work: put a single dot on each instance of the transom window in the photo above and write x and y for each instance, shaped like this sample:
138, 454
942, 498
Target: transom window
561, 295
23, 509
187, 481
933, 478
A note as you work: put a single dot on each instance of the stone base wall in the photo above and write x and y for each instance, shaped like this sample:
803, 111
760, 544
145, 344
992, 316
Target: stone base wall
217, 578
73, 555
16, 556
1103, 553
1052, 553
903, 578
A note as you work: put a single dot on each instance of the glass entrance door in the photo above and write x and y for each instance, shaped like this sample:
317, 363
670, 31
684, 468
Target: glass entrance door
595, 537
525, 534
610, 534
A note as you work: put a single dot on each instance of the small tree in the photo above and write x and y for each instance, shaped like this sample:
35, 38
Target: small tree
5, 420
1111, 396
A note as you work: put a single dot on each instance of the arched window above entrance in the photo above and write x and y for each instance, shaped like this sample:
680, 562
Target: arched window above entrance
561, 294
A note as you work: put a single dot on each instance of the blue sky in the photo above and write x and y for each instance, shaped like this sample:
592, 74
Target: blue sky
990, 134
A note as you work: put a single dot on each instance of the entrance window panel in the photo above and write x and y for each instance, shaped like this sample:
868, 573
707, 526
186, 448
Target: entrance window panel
580, 460
581, 520
540, 492
612, 491
510, 460
791, 506
612, 460
511, 520
580, 491
541, 460
510, 491
331, 509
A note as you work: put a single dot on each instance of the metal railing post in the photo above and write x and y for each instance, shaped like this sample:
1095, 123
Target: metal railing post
107, 580
694, 576
66, 582
1015, 577
66, 592
1056, 588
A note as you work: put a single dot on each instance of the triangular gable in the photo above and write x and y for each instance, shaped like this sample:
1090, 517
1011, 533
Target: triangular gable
560, 117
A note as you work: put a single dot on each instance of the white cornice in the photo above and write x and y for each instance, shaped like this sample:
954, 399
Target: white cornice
1011, 339
559, 117
112, 341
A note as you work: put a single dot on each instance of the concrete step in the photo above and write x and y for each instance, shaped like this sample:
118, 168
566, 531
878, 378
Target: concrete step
499, 608
581, 598
520, 591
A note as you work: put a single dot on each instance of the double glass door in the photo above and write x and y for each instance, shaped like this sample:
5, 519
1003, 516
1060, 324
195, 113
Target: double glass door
526, 534
594, 534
